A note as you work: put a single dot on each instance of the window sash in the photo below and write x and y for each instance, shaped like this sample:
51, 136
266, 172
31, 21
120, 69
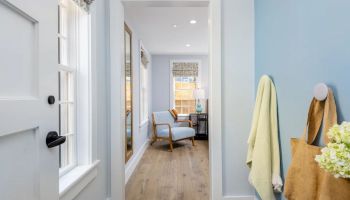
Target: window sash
67, 120
67, 85
74, 62
184, 101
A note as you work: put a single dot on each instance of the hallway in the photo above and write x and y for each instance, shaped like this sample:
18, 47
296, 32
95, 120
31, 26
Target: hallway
182, 174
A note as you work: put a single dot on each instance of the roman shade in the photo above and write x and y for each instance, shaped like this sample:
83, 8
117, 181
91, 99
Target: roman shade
144, 58
85, 4
181, 69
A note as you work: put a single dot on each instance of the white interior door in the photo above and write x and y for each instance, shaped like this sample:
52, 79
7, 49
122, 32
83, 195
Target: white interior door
28, 75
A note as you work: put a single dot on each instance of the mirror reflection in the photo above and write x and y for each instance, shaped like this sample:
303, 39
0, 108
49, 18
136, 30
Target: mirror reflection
128, 93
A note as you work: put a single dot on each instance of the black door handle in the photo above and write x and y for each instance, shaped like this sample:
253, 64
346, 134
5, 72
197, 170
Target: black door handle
53, 139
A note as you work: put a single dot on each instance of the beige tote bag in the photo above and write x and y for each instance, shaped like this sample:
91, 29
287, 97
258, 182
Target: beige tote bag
305, 179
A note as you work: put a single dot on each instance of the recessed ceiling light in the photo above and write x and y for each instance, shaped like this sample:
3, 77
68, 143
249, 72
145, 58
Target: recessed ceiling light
174, 25
188, 45
193, 21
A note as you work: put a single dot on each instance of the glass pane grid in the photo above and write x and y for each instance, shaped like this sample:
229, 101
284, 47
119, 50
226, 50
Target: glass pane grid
184, 99
67, 59
66, 118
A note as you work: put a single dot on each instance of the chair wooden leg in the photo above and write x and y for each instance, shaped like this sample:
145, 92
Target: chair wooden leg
193, 144
170, 145
153, 140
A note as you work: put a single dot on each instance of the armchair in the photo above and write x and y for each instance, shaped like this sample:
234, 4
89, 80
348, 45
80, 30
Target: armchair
164, 127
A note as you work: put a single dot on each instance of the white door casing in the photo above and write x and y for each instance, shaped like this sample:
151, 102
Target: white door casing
28, 75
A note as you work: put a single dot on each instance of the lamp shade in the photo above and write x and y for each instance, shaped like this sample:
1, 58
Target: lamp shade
199, 93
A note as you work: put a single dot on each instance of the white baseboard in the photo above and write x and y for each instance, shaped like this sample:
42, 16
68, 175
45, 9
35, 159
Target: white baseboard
239, 198
134, 161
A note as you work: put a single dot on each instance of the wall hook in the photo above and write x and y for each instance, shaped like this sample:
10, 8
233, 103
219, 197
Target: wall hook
321, 91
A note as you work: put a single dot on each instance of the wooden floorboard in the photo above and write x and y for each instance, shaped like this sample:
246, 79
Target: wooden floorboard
179, 175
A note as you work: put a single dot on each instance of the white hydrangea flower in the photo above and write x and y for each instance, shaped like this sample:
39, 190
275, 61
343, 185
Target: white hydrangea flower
335, 157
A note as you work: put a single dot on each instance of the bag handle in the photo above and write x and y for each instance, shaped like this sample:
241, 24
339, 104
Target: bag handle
330, 115
321, 111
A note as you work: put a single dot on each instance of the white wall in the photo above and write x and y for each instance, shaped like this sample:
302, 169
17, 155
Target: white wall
161, 78
237, 93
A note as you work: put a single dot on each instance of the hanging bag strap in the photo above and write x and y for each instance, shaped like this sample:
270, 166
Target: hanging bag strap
321, 111
330, 115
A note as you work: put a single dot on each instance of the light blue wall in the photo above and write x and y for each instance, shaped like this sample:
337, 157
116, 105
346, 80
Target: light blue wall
300, 43
237, 94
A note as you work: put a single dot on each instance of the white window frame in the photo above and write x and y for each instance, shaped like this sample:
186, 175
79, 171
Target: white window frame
144, 85
172, 85
71, 68
75, 178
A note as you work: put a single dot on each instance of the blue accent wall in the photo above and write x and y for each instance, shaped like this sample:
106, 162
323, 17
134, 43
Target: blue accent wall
300, 43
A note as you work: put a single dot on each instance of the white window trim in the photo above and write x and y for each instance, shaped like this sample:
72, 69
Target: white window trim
73, 180
143, 122
71, 184
171, 95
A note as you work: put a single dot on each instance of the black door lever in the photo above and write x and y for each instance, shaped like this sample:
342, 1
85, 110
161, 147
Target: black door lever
52, 139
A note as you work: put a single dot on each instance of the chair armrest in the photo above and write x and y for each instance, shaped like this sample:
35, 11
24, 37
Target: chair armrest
165, 124
188, 121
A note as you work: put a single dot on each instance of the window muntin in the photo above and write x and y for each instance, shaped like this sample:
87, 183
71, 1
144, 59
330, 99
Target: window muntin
184, 100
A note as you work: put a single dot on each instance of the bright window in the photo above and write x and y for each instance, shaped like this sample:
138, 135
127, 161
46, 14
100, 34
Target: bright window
183, 94
144, 93
73, 79
185, 79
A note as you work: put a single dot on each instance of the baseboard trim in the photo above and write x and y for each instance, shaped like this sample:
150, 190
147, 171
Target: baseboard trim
239, 198
134, 161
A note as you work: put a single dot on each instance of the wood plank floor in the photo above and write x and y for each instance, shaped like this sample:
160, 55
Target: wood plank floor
179, 175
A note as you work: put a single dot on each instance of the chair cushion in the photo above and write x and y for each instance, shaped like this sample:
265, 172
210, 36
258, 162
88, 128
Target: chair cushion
163, 117
178, 133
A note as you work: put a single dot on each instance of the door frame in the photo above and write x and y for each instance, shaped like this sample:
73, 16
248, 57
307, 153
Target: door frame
115, 40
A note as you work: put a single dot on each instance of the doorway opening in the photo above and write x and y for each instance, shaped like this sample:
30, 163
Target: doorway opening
176, 91
166, 93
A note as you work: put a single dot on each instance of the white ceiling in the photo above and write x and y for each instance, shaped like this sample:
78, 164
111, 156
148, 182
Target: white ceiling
154, 26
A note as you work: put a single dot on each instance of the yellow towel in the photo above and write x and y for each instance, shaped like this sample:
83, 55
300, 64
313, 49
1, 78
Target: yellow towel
263, 157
